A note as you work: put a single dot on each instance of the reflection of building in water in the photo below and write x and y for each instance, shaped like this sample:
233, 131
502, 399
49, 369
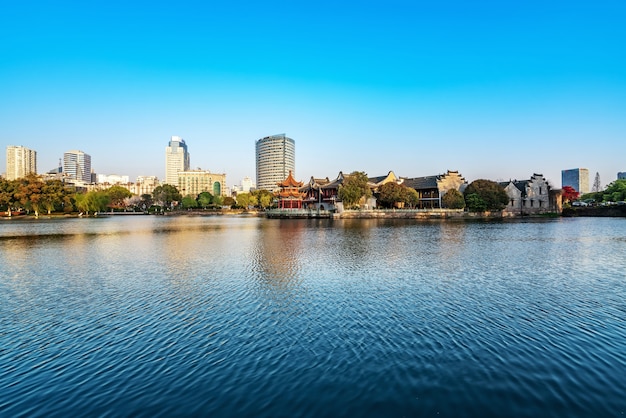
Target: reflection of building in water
278, 253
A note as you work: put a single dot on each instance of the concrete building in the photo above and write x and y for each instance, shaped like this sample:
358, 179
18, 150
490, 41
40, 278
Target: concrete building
621, 175
577, 178
112, 179
194, 182
176, 159
77, 166
275, 158
21, 161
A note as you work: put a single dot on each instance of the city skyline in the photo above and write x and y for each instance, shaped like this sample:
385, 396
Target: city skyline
495, 91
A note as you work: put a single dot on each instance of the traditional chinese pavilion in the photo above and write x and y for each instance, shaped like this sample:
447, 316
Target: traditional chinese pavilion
289, 195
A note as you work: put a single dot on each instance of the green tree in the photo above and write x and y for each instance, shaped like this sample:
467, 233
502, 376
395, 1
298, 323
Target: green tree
453, 199
392, 195
189, 202
218, 201
117, 196
490, 192
615, 192
243, 200
412, 197
166, 195
264, 198
475, 203
205, 199
354, 188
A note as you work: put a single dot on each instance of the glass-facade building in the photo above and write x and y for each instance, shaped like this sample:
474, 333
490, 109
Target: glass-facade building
77, 166
577, 178
275, 157
176, 159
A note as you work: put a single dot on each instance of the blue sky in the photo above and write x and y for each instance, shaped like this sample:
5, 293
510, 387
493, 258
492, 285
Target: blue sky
493, 89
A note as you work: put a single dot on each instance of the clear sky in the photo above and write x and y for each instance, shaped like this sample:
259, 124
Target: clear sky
494, 89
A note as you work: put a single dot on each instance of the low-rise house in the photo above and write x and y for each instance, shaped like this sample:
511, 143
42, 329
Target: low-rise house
431, 189
528, 197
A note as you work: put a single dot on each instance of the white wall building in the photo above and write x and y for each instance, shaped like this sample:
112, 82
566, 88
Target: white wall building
21, 161
112, 179
275, 158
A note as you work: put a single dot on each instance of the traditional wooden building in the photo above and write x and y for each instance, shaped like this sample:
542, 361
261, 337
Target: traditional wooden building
289, 196
431, 189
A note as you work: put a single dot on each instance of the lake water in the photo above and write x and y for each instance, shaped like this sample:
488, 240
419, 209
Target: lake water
236, 316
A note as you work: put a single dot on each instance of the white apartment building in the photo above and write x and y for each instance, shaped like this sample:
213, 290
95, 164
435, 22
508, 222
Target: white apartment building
21, 161
275, 158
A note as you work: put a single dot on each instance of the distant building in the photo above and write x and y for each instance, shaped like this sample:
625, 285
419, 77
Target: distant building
176, 159
21, 161
577, 178
194, 182
112, 179
77, 166
275, 158
247, 184
621, 175
144, 185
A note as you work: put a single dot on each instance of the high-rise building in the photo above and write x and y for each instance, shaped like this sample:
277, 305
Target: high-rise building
577, 178
77, 166
275, 158
176, 159
621, 175
21, 161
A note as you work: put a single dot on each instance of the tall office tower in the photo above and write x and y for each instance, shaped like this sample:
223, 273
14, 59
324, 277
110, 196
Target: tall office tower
275, 157
77, 165
577, 178
20, 162
176, 159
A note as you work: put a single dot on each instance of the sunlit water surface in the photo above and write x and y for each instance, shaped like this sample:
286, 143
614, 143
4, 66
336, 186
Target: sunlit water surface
226, 316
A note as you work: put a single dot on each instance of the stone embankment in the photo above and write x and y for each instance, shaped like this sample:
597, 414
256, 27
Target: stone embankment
414, 214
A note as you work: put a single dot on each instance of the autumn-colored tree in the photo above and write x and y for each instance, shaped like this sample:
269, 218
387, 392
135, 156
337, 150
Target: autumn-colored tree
53, 194
29, 193
569, 194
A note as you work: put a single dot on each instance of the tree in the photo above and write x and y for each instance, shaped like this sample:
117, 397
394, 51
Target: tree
243, 200
117, 195
189, 202
93, 201
453, 199
475, 203
412, 197
166, 195
392, 194
7, 194
264, 198
29, 193
53, 194
229, 201
491, 194
569, 194
596, 184
354, 188
205, 199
